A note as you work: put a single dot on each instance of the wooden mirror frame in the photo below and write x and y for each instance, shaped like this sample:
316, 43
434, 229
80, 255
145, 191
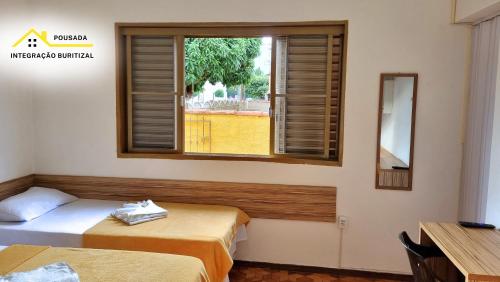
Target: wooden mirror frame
409, 172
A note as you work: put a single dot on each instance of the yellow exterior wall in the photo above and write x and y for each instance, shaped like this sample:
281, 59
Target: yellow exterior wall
227, 133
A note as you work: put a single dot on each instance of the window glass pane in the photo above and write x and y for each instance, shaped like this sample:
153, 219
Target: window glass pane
227, 95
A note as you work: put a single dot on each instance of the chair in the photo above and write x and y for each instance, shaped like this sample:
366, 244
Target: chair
418, 254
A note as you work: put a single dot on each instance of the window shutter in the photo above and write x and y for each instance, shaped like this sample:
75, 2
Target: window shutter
308, 87
152, 97
336, 90
280, 96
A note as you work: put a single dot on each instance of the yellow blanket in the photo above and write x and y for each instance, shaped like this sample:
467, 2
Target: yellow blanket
106, 265
202, 231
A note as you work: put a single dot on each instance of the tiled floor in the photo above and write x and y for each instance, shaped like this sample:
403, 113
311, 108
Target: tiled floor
265, 274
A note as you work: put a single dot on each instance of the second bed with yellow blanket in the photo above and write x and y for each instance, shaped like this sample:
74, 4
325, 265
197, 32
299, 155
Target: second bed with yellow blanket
105, 265
202, 231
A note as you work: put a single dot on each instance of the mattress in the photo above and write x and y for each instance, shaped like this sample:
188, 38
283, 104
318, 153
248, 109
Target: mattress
64, 226
61, 227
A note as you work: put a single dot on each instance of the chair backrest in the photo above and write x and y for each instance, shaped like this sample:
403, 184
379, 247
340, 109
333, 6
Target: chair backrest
417, 255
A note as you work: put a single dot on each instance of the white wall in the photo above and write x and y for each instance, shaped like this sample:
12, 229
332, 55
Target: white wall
388, 96
469, 11
75, 119
16, 129
16, 111
396, 125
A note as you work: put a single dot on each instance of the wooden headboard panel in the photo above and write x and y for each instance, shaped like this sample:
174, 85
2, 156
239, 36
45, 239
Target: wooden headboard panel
293, 202
16, 186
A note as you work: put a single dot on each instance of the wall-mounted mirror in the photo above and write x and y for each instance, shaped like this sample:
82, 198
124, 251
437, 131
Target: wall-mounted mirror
396, 130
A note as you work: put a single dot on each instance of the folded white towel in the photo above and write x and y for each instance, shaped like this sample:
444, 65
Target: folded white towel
56, 272
134, 213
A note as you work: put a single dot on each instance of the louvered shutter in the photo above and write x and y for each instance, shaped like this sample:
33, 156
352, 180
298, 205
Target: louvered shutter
307, 107
280, 96
336, 90
152, 93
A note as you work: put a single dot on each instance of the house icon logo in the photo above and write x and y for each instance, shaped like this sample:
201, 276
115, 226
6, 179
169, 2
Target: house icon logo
34, 39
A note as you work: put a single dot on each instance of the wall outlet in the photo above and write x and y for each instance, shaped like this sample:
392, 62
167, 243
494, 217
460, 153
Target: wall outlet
342, 221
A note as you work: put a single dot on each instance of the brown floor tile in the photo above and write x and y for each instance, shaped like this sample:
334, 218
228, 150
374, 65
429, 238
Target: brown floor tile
266, 274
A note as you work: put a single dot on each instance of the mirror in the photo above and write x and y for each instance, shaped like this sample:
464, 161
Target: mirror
396, 130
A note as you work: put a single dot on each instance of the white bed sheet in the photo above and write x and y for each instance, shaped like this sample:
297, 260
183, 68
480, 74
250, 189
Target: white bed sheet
61, 227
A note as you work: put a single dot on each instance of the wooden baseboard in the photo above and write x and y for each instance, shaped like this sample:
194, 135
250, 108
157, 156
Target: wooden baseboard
16, 186
272, 201
331, 271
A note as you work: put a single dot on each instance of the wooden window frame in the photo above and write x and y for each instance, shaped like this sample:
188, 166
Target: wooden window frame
181, 30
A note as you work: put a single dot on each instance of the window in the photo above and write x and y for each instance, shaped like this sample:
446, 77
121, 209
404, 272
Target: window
279, 99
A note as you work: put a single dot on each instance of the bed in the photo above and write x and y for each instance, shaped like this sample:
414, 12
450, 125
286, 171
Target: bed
86, 223
105, 265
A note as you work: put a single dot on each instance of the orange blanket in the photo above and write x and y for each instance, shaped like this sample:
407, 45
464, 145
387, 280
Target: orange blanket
202, 231
106, 265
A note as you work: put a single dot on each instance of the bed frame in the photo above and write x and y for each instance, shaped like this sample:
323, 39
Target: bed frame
273, 201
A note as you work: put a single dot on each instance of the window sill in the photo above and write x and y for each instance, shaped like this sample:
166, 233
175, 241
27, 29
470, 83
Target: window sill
273, 159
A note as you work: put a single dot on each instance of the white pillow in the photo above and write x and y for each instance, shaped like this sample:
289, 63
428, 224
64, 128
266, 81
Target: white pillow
33, 203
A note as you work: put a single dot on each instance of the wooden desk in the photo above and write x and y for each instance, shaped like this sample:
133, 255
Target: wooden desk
475, 252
